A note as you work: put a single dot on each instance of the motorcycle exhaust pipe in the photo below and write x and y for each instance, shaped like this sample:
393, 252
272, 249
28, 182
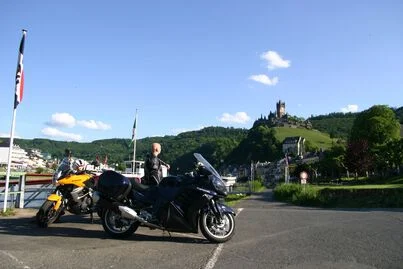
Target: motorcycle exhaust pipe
129, 213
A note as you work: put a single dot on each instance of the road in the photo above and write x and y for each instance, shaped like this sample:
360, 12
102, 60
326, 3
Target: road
268, 235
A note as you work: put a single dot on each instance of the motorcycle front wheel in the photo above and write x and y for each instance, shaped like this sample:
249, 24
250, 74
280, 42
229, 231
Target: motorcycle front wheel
116, 226
47, 214
217, 230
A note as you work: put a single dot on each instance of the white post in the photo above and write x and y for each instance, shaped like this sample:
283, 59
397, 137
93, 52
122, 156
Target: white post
21, 191
134, 156
134, 143
10, 150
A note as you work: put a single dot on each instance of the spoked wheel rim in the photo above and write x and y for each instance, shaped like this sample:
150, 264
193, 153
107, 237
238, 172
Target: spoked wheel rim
116, 224
219, 228
47, 214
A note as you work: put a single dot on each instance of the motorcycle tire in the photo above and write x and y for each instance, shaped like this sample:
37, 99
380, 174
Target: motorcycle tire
47, 214
217, 230
116, 226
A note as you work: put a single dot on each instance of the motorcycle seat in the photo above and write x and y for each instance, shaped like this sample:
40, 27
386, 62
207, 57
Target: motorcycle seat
138, 186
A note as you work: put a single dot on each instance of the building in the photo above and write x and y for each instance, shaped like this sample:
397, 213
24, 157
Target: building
280, 109
294, 145
19, 158
280, 118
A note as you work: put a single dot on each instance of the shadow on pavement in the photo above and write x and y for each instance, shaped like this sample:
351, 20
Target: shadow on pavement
81, 227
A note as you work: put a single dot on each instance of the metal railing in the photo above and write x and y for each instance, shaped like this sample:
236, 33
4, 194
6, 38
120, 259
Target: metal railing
27, 190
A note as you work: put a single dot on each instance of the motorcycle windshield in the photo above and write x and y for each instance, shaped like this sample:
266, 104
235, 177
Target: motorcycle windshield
62, 169
206, 164
64, 165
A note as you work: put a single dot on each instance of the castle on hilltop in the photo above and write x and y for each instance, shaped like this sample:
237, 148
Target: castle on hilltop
280, 118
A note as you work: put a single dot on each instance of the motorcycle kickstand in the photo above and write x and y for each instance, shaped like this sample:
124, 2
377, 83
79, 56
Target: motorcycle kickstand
92, 218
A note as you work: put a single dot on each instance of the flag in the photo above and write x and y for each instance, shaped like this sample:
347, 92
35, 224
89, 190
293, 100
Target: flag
19, 76
134, 129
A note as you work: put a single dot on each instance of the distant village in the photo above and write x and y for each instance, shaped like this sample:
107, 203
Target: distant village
33, 160
293, 149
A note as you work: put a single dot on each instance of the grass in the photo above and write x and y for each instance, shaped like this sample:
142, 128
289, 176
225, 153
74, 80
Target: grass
233, 198
7, 213
369, 186
319, 139
387, 195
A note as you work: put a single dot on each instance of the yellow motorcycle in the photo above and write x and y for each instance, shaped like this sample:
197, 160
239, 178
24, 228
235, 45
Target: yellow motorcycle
73, 193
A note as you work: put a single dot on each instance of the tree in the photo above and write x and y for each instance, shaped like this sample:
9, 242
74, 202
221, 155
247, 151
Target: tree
260, 145
359, 157
333, 163
371, 131
377, 126
390, 156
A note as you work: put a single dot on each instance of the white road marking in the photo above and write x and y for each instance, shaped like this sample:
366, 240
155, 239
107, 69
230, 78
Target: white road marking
211, 263
15, 259
214, 258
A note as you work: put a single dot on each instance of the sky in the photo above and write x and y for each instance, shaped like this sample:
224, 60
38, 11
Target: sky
185, 65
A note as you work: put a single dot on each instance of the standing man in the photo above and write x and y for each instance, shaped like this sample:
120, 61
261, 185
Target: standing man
153, 166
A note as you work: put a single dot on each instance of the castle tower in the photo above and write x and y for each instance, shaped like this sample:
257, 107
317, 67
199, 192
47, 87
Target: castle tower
280, 109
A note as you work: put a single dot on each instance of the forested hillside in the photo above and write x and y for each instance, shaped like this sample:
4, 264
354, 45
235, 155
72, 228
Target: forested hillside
338, 125
215, 143
221, 146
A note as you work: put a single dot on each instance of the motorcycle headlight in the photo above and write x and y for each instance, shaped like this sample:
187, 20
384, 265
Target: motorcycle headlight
219, 185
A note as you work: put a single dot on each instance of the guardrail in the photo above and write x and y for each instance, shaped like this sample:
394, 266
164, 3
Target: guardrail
18, 188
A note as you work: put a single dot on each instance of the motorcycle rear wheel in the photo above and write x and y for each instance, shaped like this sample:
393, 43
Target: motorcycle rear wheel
116, 226
47, 214
217, 230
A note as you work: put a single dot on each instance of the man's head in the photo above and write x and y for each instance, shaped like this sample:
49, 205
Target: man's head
155, 149
67, 153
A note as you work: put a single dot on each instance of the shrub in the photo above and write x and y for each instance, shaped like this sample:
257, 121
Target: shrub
306, 196
285, 192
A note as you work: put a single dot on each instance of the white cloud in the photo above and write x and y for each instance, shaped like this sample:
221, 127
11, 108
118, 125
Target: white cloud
67, 120
95, 125
349, 108
55, 133
239, 117
264, 79
62, 120
274, 60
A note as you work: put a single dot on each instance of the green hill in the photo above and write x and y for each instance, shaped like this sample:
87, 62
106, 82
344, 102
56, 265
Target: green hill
215, 143
315, 138
336, 124
339, 124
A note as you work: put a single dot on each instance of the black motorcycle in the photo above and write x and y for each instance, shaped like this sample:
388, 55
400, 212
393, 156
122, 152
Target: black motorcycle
188, 202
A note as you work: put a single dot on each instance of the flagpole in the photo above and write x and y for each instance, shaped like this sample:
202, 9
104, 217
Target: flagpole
134, 143
19, 85
10, 150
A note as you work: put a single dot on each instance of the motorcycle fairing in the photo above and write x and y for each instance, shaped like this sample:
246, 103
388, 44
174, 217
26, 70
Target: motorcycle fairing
225, 209
55, 198
73, 179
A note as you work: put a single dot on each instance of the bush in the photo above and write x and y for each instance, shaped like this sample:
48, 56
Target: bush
257, 185
307, 196
39, 170
285, 192
340, 197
